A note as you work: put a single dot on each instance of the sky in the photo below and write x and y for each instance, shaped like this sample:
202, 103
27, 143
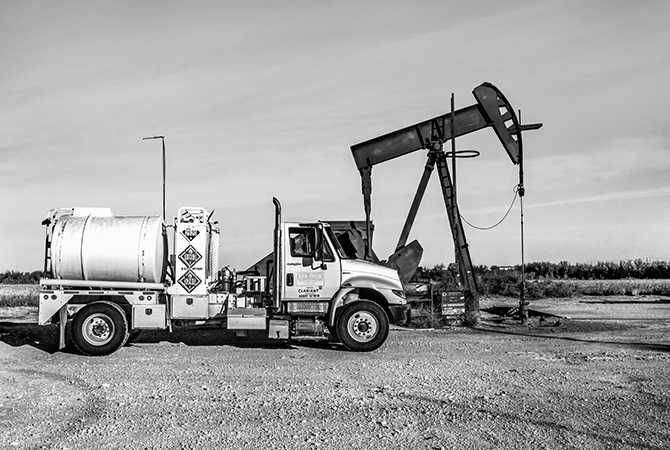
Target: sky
265, 98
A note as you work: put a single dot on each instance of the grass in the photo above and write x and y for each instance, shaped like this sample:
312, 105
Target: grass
630, 287
510, 286
19, 294
27, 294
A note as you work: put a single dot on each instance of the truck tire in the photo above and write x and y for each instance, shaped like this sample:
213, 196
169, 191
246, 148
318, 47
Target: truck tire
333, 333
362, 326
99, 329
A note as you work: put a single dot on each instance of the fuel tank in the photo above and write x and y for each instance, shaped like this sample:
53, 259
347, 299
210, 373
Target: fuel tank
109, 248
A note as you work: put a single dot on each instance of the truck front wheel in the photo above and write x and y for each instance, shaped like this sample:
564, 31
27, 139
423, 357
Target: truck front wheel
362, 326
99, 329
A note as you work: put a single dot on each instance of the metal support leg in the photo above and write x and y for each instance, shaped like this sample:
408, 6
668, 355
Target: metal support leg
62, 324
472, 316
366, 182
414, 209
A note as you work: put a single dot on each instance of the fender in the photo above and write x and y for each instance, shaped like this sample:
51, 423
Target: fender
338, 300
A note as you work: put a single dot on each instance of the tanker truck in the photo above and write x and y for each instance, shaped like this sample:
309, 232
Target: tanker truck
110, 277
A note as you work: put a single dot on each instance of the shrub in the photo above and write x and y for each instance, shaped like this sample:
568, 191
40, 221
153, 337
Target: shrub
18, 295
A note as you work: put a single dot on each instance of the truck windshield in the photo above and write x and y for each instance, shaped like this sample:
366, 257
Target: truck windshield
338, 248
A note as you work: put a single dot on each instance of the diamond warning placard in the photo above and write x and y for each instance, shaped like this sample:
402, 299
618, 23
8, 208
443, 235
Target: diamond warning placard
190, 256
190, 233
189, 281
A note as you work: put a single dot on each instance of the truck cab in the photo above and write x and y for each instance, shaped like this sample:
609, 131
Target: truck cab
317, 270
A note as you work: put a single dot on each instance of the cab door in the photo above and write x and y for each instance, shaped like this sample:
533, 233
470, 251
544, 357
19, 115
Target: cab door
311, 266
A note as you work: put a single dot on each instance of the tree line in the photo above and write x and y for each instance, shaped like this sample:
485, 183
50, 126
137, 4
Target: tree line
14, 277
602, 270
563, 279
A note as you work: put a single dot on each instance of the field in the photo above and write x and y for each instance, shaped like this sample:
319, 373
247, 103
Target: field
598, 380
568, 288
560, 288
588, 371
630, 287
26, 294
18, 294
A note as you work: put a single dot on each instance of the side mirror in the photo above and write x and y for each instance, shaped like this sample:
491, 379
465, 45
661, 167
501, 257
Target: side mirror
318, 243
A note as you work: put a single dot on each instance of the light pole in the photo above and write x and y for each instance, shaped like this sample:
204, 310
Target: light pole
162, 138
523, 304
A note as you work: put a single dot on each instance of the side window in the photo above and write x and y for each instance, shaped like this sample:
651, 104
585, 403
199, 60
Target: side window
327, 252
301, 242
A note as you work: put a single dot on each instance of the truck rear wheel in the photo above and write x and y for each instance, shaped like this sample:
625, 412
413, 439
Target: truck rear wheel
99, 329
362, 326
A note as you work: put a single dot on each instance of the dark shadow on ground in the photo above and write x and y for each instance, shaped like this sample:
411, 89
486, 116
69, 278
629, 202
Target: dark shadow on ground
221, 337
513, 311
464, 412
18, 334
45, 338
627, 302
558, 330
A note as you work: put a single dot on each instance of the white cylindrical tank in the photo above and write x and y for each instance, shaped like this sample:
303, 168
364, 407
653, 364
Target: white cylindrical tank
120, 248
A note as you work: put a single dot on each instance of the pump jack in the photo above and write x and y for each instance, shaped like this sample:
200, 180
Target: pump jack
491, 110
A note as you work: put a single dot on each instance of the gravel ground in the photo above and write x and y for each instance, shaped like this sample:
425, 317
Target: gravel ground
564, 383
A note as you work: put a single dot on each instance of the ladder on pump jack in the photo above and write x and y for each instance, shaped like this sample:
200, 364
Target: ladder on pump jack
491, 110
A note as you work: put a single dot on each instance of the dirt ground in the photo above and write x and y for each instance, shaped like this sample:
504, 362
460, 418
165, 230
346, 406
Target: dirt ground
596, 380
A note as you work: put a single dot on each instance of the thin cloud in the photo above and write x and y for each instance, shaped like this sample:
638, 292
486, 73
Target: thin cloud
618, 159
645, 193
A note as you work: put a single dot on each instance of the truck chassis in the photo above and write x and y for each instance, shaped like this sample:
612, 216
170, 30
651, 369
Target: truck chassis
308, 290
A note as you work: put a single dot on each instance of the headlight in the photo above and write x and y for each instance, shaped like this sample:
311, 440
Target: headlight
399, 292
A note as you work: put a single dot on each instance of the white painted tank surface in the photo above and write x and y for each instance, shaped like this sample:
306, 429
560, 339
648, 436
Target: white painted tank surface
120, 248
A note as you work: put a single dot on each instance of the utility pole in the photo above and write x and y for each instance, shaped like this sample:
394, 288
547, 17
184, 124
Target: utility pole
523, 304
162, 138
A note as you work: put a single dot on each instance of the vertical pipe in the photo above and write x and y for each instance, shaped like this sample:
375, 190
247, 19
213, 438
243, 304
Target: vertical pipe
163, 139
214, 243
453, 144
523, 306
277, 250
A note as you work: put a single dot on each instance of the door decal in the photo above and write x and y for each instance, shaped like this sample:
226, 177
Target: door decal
309, 279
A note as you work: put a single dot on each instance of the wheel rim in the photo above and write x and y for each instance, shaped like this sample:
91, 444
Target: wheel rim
98, 329
362, 326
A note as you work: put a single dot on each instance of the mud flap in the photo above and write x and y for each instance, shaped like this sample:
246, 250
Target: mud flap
62, 324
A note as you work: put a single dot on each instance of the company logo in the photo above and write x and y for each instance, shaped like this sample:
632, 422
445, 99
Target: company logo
310, 279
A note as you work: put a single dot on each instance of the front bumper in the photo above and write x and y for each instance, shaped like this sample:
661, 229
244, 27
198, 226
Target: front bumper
400, 314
